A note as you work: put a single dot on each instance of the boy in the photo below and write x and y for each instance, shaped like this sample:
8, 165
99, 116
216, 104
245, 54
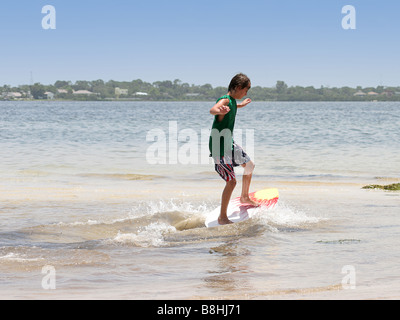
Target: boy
225, 152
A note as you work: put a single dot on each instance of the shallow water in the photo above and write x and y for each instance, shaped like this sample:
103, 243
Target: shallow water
77, 193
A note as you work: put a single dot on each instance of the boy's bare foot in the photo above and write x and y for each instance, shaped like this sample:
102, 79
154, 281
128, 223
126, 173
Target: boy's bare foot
247, 200
223, 221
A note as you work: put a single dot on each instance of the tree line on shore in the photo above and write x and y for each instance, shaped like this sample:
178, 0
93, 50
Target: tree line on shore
177, 90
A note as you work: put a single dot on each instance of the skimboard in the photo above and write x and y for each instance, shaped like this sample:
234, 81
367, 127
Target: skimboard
238, 212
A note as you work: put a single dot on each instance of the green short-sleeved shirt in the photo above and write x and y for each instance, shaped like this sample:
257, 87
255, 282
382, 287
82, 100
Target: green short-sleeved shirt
218, 130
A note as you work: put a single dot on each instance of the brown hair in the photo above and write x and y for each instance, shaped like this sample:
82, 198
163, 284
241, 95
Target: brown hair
240, 81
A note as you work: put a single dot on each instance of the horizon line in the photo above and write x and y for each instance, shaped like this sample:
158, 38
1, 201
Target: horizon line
193, 84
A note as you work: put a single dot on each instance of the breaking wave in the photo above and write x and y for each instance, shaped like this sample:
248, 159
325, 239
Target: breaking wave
164, 223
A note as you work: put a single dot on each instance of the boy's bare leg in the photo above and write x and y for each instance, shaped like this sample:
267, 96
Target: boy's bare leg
245, 198
226, 197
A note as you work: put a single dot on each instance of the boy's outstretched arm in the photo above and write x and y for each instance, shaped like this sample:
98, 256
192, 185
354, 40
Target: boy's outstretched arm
244, 103
220, 109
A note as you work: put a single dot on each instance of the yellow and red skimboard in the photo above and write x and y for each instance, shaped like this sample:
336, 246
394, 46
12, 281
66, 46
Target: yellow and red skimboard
238, 212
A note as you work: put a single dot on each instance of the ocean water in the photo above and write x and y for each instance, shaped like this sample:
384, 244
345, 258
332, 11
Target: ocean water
111, 197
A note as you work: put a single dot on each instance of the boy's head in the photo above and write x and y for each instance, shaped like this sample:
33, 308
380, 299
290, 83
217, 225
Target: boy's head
240, 83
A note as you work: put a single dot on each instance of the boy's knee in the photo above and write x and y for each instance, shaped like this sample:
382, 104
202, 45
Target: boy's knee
231, 183
249, 168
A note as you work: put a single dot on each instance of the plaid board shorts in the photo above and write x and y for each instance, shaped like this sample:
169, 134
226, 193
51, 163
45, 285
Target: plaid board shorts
225, 165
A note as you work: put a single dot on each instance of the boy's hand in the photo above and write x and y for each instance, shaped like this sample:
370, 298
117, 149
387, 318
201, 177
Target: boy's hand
224, 110
245, 102
221, 108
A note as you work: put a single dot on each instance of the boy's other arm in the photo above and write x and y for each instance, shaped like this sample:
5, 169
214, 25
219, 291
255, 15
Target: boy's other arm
244, 103
220, 109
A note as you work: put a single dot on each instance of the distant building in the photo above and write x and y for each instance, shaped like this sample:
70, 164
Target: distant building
372, 93
12, 95
360, 94
192, 94
388, 93
121, 92
62, 91
141, 94
83, 92
50, 95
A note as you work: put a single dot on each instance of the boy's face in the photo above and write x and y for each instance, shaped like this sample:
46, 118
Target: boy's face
243, 92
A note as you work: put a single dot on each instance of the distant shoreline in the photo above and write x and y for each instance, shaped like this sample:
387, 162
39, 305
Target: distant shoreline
138, 90
205, 100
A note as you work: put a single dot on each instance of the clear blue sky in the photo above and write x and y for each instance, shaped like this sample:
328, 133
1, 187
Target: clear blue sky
198, 42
